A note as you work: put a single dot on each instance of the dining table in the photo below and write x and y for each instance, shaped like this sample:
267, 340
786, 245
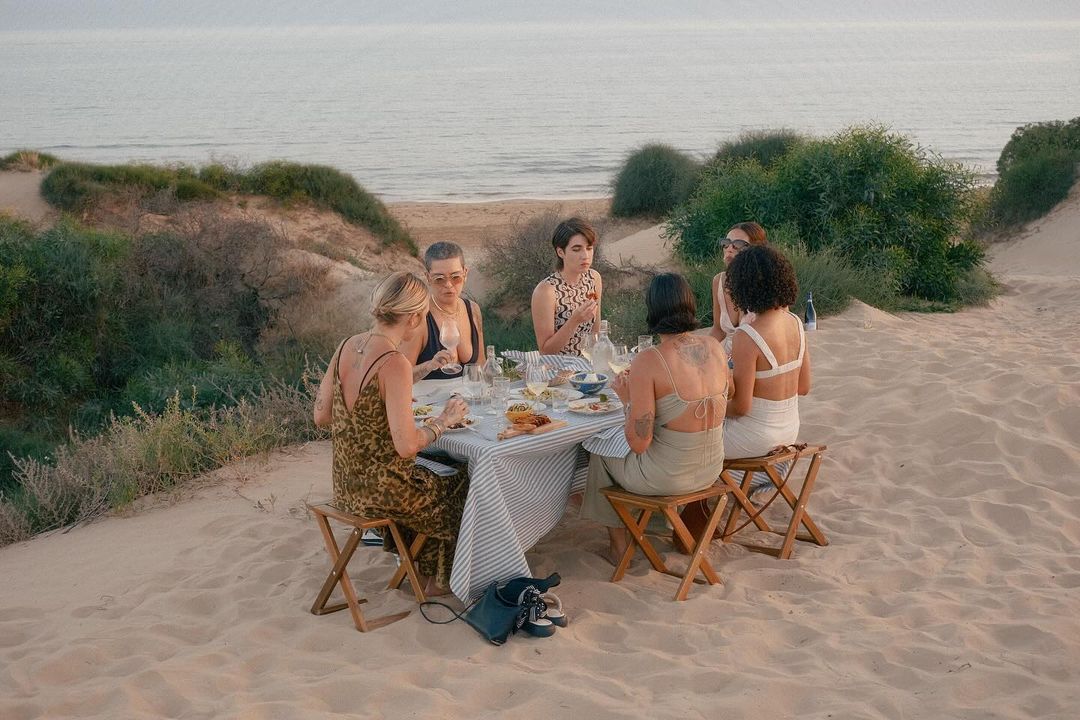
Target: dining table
518, 487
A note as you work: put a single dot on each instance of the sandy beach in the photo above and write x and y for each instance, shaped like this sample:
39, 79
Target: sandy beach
950, 588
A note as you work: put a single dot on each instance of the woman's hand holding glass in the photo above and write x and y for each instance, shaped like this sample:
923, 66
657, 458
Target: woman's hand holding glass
450, 336
620, 361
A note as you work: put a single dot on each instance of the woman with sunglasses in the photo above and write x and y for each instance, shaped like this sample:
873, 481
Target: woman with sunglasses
446, 275
726, 316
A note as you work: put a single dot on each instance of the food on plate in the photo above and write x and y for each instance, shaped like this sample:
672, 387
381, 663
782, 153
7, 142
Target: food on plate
466, 422
530, 422
422, 410
560, 377
518, 410
593, 406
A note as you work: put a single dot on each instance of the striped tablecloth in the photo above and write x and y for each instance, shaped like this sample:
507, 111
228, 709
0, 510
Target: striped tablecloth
518, 490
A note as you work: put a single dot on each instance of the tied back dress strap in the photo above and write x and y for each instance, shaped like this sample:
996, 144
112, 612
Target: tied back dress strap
567, 299
371, 479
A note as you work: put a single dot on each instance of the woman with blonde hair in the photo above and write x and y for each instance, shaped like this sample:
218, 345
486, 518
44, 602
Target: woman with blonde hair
366, 399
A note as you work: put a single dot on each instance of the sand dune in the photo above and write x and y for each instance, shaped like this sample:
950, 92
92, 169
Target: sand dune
950, 589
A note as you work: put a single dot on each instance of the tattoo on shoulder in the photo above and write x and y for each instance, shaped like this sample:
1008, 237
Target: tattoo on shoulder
693, 351
643, 426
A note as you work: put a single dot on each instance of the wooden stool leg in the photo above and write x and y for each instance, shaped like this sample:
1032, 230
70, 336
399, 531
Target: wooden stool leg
742, 502
406, 555
799, 516
637, 532
698, 559
338, 575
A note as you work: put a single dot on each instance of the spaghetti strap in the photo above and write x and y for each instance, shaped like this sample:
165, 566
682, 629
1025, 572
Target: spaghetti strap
668, 369
337, 365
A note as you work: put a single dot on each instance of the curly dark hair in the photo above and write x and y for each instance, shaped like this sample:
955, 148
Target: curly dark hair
760, 278
670, 304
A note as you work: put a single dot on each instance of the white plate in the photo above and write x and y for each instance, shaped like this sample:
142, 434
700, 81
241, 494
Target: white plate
582, 406
469, 422
568, 393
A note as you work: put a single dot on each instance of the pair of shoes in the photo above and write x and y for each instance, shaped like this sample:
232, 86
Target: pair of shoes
539, 622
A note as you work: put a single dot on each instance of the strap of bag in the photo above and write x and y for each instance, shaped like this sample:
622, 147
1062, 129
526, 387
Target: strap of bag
456, 615
779, 449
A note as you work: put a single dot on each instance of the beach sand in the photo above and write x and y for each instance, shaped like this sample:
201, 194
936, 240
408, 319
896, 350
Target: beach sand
950, 587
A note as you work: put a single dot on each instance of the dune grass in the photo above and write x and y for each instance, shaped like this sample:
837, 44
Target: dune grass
74, 186
653, 180
26, 160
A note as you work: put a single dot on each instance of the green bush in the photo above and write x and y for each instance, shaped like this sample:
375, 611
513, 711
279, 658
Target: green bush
652, 181
75, 186
1029, 140
878, 201
1032, 185
764, 146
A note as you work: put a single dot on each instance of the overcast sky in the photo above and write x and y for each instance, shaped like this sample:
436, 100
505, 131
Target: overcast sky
92, 14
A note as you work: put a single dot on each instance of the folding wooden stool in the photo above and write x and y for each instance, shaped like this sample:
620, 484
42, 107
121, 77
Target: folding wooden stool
799, 516
341, 558
668, 505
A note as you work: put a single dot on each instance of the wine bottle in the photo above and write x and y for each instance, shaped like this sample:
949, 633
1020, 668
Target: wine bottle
810, 315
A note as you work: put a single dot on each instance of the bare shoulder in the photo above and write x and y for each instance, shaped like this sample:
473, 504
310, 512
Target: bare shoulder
543, 290
595, 275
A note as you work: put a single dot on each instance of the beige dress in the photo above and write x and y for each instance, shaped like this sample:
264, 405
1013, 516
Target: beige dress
674, 463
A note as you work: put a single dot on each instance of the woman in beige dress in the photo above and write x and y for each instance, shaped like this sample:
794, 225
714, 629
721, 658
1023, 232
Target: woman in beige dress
675, 398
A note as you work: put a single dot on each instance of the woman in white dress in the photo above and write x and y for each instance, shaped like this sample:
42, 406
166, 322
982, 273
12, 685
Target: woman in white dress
727, 315
772, 361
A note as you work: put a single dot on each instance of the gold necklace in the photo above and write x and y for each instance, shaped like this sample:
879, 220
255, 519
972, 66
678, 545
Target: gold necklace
444, 311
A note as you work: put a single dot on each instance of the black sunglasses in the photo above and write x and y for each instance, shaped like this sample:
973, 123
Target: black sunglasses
737, 244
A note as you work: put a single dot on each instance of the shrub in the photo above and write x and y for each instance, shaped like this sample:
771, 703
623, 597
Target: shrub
1029, 140
26, 160
74, 186
764, 146
879, 202
652, 181
148, 453
1032, 185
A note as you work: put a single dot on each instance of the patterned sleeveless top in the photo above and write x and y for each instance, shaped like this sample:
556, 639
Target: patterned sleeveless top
567, 299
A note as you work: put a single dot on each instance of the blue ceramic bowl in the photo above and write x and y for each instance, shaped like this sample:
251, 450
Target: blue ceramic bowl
589, 388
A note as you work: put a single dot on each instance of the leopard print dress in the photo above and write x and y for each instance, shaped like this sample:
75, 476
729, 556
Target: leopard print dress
372, 480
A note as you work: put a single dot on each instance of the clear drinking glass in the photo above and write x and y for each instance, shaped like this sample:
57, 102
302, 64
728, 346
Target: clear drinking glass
587, 343
450, 336
536, 379
500, 394
620, 360
644, 342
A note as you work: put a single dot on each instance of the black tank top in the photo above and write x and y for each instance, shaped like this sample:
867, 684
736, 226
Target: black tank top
433, 345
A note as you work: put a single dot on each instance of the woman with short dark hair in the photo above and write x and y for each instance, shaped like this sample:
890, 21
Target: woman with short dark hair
772, 361
566, 304
673, 428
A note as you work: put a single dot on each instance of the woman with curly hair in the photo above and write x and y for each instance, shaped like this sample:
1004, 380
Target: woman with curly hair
772, 362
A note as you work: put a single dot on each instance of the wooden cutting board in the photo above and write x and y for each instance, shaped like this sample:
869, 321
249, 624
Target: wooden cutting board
512, 432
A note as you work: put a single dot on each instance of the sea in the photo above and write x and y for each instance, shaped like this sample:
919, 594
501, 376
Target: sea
478, 111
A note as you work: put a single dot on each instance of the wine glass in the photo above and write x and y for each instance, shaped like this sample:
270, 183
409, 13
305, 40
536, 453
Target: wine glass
587, 343
620, 360
450, 336
536, 379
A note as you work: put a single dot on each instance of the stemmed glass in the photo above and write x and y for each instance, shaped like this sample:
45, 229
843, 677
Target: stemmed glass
587, 343
536, 379
450, 336
620, 360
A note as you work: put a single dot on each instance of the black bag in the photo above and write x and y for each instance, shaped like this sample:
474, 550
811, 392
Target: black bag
501, 611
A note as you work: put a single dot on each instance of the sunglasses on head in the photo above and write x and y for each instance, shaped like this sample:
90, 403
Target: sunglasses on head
737, 244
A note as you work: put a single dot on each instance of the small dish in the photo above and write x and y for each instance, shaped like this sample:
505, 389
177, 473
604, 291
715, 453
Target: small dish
588, 383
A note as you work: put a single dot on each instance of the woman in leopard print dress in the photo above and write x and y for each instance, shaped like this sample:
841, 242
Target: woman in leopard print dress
566, 304
366, 399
